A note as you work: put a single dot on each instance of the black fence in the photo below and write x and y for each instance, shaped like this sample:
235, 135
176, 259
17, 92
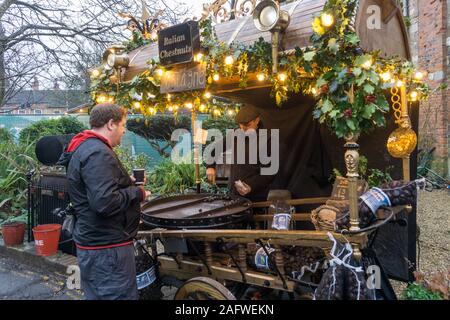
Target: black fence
46, 193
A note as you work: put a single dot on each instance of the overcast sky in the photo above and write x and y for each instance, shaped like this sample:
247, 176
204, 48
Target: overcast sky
196, 5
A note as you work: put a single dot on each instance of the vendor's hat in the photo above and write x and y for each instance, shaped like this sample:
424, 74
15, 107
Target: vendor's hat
247, 113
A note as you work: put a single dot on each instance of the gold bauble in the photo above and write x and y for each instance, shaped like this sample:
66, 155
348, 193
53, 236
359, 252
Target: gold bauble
402, 142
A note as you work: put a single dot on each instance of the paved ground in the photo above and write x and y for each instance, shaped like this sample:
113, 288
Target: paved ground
19, 281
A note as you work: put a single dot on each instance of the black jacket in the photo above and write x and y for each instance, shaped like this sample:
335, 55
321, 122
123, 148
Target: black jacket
247, 172
106, 203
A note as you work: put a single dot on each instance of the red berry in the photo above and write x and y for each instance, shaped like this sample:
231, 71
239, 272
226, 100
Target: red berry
324, 88
371, 98
348, 113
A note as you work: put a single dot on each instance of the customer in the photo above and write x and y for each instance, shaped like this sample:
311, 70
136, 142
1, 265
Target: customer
107, 207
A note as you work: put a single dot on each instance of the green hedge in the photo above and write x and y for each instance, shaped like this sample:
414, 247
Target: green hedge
64, 125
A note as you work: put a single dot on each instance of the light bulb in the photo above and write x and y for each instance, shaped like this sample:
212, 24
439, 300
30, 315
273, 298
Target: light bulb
327, 20
207, 95
418, 75
282, 77
367, 64
386, 76
229, 60
95, 73
199, 57
216, 77
261, 77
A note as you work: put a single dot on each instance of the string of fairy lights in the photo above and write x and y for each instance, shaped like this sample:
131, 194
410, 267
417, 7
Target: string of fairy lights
304, 71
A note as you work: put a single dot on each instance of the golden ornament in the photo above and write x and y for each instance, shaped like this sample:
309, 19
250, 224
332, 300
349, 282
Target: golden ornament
402, 142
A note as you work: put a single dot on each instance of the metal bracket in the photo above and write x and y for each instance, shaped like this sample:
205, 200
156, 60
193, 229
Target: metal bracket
200, 256
258, 241
222, 245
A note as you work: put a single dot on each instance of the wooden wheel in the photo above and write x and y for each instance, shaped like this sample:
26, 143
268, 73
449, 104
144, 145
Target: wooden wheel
203, 288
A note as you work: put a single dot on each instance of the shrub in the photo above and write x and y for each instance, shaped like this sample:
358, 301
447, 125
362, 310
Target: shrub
5, 135
170, 178
15, 161
129, 161
158, 129
64, 125
222, 123
434, 286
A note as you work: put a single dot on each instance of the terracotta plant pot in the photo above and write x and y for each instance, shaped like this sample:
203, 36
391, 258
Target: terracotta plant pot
13, 233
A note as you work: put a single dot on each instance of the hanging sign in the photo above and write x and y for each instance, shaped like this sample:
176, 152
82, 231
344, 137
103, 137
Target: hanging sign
186, 78
179, 43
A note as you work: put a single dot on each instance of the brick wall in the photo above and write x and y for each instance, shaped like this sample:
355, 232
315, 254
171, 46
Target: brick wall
430, 41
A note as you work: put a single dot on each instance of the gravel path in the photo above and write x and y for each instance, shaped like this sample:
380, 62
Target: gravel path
433, 219
433, 214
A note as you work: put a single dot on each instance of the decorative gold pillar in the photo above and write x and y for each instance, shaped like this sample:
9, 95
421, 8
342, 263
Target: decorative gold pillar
196, 150
352, 164
405, 123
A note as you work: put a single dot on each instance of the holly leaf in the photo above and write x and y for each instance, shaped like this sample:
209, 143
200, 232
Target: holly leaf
351, 124
308, 56
357, 71
326, 106
333, 45
360, 81
369, 110
382, 103
374, 78
334, 86
317, 113
368, 88
320, 82
352, 38
342, 74
334, 113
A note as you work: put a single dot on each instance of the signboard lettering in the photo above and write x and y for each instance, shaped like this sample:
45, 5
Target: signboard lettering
187, 78
179, 43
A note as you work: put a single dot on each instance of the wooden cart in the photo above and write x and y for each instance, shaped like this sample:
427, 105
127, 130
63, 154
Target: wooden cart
205, 275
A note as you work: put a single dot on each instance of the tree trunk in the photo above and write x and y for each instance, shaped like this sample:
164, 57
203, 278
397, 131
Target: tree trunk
3, 80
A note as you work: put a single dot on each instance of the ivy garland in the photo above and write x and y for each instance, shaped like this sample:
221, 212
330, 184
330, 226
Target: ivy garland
350, 85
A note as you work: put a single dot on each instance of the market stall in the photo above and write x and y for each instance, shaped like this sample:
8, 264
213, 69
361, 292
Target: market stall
343, 83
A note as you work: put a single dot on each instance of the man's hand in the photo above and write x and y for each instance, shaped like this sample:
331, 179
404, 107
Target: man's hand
133, 179
211, 175
242, 188
147, 194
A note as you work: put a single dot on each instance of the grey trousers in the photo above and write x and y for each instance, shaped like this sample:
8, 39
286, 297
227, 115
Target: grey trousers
108, 274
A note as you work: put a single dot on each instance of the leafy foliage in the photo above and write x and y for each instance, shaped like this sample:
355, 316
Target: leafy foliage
63, 125
346, 81
374, 177
221, 123
419, 292
429, 287
130, 162
15, 161
5, 135
171, 178
157, 130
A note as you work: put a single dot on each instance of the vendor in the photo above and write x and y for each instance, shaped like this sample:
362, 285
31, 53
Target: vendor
245, 178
